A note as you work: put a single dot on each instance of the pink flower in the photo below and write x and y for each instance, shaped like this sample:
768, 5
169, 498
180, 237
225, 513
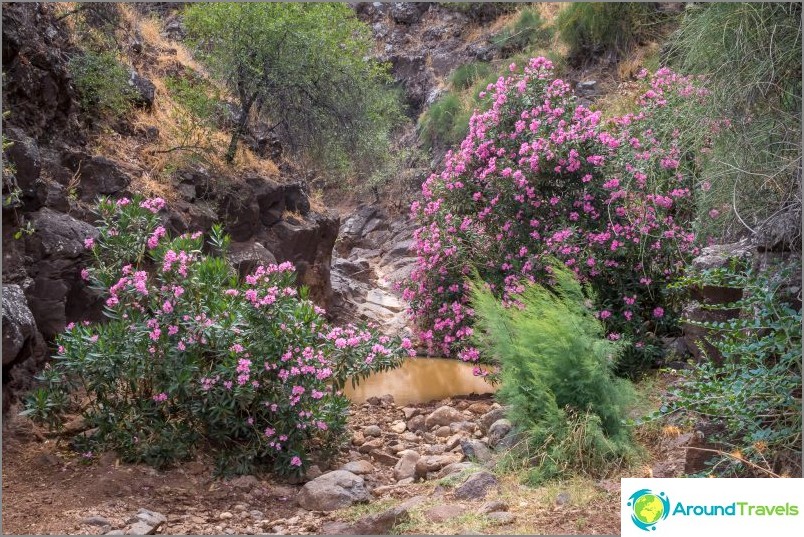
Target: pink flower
160, 397
658, 312
89, 243
84, 274
295, 461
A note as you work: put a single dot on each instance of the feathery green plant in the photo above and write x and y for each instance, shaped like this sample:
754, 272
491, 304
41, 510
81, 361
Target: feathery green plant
556, 371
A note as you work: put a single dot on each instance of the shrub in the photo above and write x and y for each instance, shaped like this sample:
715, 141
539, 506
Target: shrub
102, 83
528, 30
467, 74
755, 395
445, 122
192, 357
556, 371
750, 56
606, 26
539, 176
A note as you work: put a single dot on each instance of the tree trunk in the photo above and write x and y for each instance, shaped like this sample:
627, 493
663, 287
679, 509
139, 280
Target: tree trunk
242, 120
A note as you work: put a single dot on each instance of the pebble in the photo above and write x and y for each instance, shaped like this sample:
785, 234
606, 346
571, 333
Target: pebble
226, 515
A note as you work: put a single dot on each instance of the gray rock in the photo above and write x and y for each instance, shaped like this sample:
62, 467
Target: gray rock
115, 532
443, 432
433, 463
417, 423
407, 12
406, 467
144, 90
372, 430
487, 419
96, 520
498, 430
476, 450
454, 468
443, 415
360, 467
383, 457
501, 518
333, 490
21, 339
493, 506
476, 486
140, 528
409, 412
563, 498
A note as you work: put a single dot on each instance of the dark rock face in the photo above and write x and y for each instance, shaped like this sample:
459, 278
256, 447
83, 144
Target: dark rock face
23, 346
57, 292
144, 90
97, 176
36, 81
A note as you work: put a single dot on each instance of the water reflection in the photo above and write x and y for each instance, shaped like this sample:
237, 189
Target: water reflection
420, 380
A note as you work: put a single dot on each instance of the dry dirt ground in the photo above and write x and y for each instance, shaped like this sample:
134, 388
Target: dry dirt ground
49, 489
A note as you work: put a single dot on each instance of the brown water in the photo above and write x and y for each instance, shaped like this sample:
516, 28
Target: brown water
420, 380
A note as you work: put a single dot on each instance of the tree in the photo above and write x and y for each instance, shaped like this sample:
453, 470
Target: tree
306, 67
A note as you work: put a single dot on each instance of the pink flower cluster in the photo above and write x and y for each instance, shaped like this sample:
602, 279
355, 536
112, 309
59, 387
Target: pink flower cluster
540, 178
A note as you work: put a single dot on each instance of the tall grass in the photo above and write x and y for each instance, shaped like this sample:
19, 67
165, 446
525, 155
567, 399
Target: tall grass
750, 55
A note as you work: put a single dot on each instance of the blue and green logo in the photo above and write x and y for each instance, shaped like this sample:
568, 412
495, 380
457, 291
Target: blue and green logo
648, 508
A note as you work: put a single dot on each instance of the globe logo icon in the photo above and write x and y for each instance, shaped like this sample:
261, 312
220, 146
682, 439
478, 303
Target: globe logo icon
648, 508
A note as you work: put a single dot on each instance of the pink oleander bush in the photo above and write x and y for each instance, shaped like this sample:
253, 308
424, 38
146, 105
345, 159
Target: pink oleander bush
540, 177
192, 357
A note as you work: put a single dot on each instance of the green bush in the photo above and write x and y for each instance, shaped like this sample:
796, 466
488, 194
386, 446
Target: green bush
464, 76
556, 372
606, 26
528, 30
192, 357
102, 83
199, 98
755, 394
750, 56
445, 123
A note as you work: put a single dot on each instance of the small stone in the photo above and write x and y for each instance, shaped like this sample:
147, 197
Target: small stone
409, 412
501, 518
476, 450
486, 420
140, 528
492, 506
384, 458
443, 432
95, 520
433, 463
358, 467
372, 430
399, 427
476, 486
463, 426
409, 437
257, 515
417, 423
453, 441
240, 507
333, 490
436, 449
151, 518
226, 515
371, 445
478, 408
245, 482
441, 513
115, 532
454, 468
358, 439
563, 498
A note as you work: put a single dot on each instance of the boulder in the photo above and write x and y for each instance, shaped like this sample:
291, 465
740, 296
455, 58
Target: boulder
443, 415
27, 162
247, 256
333, 490
476, 450
487, 419
498, 430
476, 486
358, 467
24, 348
97, 176
144, 90
406, 467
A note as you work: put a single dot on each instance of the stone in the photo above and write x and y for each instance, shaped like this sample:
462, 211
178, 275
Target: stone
433, 463
358, 439
21, 338
115, 532
360, 467
333, 490
140, 528
372, 430
407, 12
376, 524
151, 517
476, 486
406, 466
409, 412
144, 90
443, 415
454, 468
500, 518
443, 432
453, 441
444, 512
476, 450
371, 445
417, 423
247, 256
436, 449
487, 419
466, 426
98, 176
384, 458
493, 506
226, 515
498, 430
478, 408
399, 427
96, 520
563, 498
313, 472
